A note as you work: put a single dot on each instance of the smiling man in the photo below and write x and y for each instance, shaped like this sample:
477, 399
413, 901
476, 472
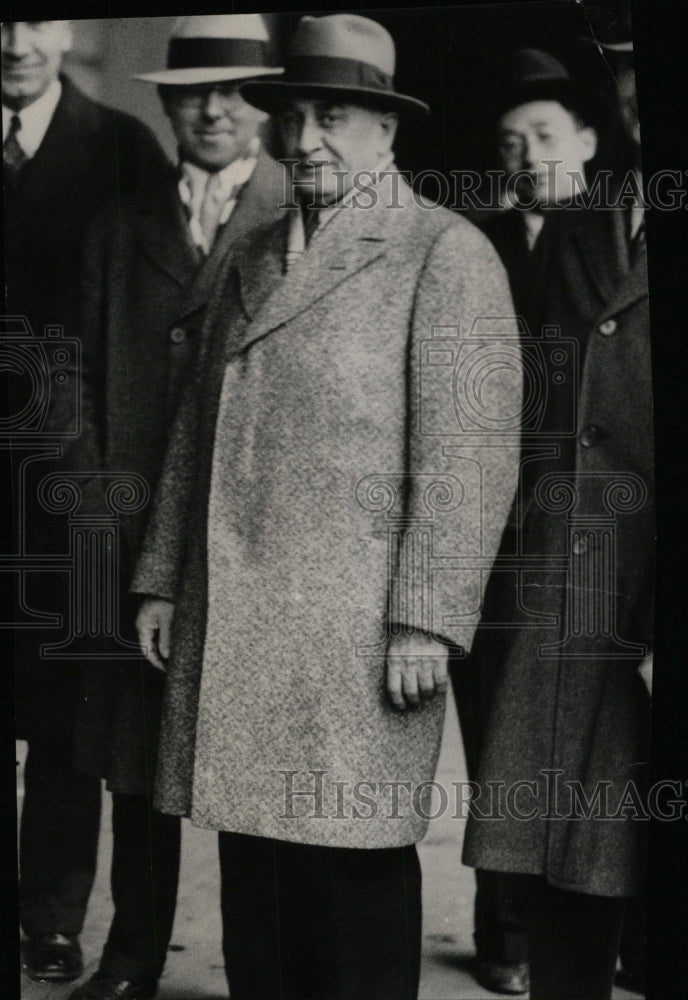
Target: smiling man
63, 156
150, 264
308, 662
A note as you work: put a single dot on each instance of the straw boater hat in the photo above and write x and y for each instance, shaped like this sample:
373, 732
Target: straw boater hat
214, 48
341, 55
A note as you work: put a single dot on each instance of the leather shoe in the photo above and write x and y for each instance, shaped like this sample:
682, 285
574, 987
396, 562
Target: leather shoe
53, 958
104, 987
511, 978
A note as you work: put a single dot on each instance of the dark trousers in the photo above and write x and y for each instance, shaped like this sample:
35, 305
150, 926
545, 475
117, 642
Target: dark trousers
144, 879
573, 939
498, 932
58, 840
318, 923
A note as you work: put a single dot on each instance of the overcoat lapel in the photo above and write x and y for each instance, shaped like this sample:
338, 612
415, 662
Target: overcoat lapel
632, 289
54, 169
345, 245
603, 261
165, 236
258, 206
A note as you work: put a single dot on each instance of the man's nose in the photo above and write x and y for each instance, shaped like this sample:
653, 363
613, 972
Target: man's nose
309, 139
213, 105
16, 38
530, 154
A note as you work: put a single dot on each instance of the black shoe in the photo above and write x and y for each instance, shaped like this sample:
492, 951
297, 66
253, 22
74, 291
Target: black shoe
510, 978
54, 958
104, 987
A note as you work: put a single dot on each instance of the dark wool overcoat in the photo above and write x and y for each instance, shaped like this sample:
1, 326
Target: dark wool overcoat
146, 287
90, 154
338, 467
566, 732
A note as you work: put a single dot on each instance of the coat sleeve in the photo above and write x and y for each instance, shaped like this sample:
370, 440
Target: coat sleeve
158, 570
465, 387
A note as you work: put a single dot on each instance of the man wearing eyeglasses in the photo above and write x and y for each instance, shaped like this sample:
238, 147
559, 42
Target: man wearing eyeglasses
149, 267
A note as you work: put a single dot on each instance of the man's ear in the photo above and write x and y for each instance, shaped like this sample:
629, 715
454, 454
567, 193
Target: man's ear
588, 136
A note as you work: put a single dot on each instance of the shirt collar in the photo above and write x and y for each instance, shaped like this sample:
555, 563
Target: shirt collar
194, 180
296, 238
35, 119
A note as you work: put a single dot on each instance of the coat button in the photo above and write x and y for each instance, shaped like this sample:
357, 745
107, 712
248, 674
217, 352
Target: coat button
580, 546
590, 436
178, 335
609, 327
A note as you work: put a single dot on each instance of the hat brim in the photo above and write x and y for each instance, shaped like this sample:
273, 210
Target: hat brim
616, 46
208, 74
267, 95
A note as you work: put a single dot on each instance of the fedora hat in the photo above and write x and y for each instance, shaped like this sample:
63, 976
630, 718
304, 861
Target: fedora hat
213, 48
339, 55
536, 75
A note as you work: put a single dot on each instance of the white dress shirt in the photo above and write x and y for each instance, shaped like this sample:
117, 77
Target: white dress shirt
35, 119
193, 185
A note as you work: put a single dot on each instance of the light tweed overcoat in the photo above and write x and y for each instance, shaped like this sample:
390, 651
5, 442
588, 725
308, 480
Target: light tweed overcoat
344, 461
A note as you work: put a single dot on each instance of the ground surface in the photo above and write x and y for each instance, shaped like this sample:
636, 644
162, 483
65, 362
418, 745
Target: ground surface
194, 968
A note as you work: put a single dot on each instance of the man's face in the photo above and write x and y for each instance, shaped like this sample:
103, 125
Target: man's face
332, 142
212, 123
547, 140
32, 54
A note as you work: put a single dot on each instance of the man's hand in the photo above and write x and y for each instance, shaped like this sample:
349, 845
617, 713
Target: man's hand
645, 671
416, 669
153, 624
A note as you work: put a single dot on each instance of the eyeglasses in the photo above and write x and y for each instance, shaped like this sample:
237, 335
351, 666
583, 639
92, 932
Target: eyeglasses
196, 97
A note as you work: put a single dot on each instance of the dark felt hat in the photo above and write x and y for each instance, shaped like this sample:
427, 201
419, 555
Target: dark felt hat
535, 75
340, 55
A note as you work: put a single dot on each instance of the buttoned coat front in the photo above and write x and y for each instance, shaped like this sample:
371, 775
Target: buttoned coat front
339, 468
145, 290
566, 733
89, 155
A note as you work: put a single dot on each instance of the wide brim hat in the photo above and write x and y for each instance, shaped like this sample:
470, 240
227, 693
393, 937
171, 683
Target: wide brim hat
215, 49
535, 75
340, 55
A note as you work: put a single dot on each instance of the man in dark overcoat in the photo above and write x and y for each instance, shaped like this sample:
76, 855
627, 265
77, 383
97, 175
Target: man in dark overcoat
545, 134
63, 156
345, 516
150, 263
567, 732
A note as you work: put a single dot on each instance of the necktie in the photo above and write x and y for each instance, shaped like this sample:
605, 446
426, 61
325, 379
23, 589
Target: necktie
211, 209
13, 156
311, 219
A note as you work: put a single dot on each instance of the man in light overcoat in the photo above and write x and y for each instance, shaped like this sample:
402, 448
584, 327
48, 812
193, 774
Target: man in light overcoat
348, 450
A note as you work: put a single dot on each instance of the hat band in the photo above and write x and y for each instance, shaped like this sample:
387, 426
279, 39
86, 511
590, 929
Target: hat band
195, 53
338, 72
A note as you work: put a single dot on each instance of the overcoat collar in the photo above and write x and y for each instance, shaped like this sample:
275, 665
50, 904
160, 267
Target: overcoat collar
350, 241
57, 164
167, 241
607, 262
